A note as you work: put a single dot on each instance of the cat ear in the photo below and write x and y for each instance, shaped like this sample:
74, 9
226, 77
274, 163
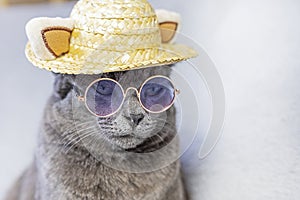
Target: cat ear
49, 37
63, 84
169, 24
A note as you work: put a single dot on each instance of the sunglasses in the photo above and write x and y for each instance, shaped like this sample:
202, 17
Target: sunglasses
105, 97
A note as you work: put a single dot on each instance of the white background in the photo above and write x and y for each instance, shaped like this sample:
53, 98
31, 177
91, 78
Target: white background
255, 45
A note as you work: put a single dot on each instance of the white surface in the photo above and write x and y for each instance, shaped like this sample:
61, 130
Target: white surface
255, 44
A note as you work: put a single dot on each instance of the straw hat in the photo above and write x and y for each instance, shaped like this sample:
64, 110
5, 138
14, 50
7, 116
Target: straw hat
105, 36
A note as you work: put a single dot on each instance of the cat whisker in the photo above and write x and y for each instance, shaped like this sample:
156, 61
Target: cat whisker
150, 144
84, 123
75, 136
69, 138
165, 121
169, 127
160, 137
70, 135
80, 139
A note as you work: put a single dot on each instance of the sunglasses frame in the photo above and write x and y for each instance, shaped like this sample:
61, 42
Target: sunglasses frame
138, 92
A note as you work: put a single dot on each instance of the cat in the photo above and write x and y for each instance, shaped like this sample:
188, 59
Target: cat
81, 156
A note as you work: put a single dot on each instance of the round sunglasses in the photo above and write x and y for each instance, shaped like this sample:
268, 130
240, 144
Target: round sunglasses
105, 96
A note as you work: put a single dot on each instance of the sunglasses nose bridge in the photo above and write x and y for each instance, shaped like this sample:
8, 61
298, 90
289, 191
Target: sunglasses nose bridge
132, 88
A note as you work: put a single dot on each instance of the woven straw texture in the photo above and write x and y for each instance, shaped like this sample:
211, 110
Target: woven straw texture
113, 35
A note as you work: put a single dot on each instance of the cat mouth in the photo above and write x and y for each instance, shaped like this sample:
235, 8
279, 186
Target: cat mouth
127, 136
127, 141
132, 143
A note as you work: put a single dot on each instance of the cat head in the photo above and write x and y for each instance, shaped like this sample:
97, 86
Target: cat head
131, 129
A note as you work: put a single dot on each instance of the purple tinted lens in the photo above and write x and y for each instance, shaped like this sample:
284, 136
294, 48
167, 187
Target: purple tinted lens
157, 94
104, 97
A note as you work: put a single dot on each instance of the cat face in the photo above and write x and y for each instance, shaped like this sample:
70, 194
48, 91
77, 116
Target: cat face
132, 128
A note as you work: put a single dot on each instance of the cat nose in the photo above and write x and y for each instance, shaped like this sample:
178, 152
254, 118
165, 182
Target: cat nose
136, 118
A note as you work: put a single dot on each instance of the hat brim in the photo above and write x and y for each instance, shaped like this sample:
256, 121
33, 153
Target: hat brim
83, 60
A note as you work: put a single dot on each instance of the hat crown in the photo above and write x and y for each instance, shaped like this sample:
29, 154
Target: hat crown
114, 16
112, 9
116, 25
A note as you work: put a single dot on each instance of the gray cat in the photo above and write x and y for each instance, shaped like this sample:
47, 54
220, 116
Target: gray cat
81, 156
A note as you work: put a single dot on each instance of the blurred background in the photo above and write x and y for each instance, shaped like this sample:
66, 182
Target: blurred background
255, 45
